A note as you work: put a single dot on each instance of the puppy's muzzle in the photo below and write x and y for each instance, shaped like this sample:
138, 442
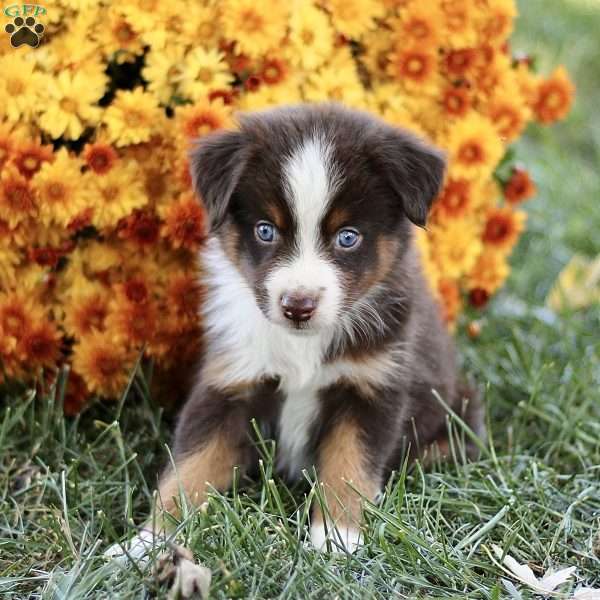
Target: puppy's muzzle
298, 306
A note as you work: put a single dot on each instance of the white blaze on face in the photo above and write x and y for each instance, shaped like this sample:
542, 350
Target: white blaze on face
310, 180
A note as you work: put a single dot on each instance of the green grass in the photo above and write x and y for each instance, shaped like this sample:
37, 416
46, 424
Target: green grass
69, 487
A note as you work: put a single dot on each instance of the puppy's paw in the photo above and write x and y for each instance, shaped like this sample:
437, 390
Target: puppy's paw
138, 548
341, 538
184, 577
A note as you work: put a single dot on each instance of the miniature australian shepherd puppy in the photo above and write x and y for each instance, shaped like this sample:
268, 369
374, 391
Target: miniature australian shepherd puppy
318, 321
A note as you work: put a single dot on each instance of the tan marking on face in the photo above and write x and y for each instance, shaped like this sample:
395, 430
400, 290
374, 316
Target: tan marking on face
210, 465
337, 217
229, 242
344, 476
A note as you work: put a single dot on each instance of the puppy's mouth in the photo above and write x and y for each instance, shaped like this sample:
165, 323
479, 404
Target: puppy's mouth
300, 328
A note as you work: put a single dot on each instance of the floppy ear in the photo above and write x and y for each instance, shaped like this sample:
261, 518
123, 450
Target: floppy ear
216, 164
414, 170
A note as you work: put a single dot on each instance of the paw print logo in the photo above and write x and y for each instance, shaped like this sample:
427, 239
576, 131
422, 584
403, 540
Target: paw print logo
24, 31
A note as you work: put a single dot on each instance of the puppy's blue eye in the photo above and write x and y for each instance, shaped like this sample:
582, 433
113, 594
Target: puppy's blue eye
265, 232
347, 238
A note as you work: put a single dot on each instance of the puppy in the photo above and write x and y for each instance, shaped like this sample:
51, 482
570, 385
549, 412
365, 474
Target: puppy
318, 321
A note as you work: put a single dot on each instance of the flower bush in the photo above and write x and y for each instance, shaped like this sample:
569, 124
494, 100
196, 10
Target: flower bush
98, 223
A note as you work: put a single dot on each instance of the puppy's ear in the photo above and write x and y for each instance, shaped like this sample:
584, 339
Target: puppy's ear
217, 163
413, 169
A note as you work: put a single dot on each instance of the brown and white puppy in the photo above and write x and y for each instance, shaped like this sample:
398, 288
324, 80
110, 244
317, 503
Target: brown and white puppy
317, 318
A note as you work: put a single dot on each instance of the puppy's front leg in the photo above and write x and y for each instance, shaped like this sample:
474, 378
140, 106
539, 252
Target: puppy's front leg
345, 476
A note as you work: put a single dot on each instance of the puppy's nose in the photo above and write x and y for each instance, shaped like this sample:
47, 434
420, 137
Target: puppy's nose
298, 307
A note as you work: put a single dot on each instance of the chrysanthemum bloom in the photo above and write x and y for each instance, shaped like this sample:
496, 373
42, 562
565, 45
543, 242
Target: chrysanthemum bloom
256, 27
135, 290
130, 323
60, 189
519, 187
132, 117
456, 247
203, 71
71, 103
39, 345
490, 271
86, 312
420, 24
414, 68
502, 227
103, 364
19, 87
459, 16
456, 101
509, 113
183, 296
202, 118
353, 17
460, 62
118, 37
311, 35
496, 21
141, 228
449, 294
7, 143
100, 157
475, 147
455, 201
162, 70
185, 223
554, 97
17, 199
115, 194
18, 313
29, 157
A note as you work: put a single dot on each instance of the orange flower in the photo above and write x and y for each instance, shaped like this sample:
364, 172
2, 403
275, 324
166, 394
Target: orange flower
17, 314
130, 323
183, 295
29, 157
6, 145
455, 200
185, 223
412, 66
100, 157
519, 187
449, 293
40, 345
103, 364
274, 70
202, 118
502, 227
17, 200
554, 97
456, 101
460, 62
86, 314
134, 290
140, 227
420, 24
508, 116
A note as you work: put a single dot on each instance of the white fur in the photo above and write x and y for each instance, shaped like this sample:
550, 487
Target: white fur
310, 179
139, 548
341, 538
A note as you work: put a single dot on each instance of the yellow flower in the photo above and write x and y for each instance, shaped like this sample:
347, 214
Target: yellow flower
415, 69
255, 27
203, 71
162, 70
116, 194
459, 23
475, 147
196, 120
496, 21
509, 113
489, 272
132, 117
19, 87
353, 17
60, 189
311, 36
118, 37
70, 103
337, 80
419, 24
9, 259
457, 247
